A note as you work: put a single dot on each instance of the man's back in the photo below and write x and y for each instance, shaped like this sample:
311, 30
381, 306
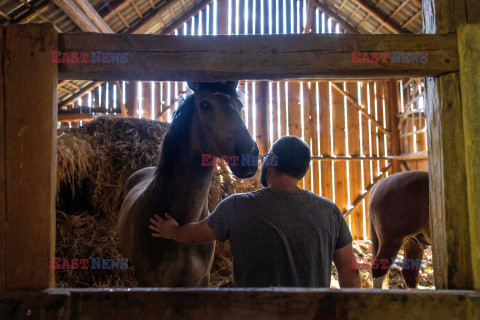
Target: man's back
280, 238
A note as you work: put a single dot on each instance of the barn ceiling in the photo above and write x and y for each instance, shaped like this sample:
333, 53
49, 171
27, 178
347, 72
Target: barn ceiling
163, 16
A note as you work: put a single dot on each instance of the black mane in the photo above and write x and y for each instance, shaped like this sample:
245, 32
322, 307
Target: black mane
179, 131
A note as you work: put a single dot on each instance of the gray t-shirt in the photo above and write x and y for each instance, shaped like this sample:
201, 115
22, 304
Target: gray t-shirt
280, 238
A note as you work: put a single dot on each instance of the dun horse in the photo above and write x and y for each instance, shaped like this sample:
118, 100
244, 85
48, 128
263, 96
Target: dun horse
399, 217
207, 122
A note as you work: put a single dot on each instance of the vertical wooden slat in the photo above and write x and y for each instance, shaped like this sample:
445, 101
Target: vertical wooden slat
392, 108
131, 98
294, 119
275, 110
380, 135
469, 49
111, 96
283, 109
325, 143
356, 188
147, 99
365, 151
3, 182
95, 98
312, 96
30, 81
262, 117
307, 128
339, 149
251, 109
222, 17
373, 136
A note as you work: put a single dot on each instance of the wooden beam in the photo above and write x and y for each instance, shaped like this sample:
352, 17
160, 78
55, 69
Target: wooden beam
79, 94
32, 13
422, 155
30, 156
76, 14
469, 49
241, 303
335, 16
150, 16
112, 7
449, 212
380, 16
75, 117
93, 15
327, 157
217, 58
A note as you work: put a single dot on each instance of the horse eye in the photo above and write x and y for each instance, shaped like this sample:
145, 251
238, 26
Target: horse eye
204, 105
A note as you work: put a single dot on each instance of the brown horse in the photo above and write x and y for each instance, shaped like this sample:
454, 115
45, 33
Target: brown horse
399, 218
207, 122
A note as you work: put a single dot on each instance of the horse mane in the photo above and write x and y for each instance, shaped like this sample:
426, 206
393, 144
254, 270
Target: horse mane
179, 131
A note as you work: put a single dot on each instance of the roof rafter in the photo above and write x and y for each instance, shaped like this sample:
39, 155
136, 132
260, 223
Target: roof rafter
343, 23
380, 16
148, 18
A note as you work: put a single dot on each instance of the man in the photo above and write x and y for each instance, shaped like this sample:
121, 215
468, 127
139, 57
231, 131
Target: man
280, 235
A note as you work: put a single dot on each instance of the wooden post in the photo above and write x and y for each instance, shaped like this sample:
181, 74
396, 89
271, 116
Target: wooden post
449, 212
469, 51
28, 174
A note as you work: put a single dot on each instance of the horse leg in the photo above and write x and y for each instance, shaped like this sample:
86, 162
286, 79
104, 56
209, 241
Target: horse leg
411, 264
383, 261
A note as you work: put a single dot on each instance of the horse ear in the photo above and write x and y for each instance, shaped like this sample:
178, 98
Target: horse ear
194, 86
232, 85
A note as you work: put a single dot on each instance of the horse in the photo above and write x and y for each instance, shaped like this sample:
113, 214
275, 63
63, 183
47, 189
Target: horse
399, 217
207, 122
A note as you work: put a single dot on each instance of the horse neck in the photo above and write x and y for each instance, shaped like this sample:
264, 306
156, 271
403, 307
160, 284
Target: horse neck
183, 185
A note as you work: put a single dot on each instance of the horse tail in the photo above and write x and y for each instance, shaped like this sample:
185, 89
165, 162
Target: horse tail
374, 239
373, 233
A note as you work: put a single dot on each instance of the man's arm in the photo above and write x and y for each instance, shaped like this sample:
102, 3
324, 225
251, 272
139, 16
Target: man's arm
346, 264
190, 233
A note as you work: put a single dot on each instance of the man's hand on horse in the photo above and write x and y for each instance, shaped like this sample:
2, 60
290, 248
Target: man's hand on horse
190, 233
164, 228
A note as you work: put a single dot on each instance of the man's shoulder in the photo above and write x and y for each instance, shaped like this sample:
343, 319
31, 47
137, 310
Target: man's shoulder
324, 201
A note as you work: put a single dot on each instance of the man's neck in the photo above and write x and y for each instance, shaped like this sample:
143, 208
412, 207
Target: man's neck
285, 185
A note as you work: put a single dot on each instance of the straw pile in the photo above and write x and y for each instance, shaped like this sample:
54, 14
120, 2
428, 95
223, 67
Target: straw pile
94, 161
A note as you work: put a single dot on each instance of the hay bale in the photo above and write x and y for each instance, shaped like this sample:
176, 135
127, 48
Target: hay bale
94, 161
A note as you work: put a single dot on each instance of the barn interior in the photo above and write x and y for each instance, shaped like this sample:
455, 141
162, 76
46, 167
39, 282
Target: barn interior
363, 121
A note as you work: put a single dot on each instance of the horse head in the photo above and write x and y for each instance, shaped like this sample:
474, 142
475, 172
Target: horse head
218, 128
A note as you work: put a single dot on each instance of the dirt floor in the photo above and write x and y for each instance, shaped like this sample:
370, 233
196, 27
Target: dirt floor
362, 250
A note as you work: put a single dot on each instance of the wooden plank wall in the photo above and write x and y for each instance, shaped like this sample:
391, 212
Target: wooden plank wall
412, 122
312, 110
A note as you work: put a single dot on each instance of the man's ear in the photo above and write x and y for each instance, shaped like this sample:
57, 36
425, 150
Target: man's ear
194, 86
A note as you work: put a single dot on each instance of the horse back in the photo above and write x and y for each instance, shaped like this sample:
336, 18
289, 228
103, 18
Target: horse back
400, 202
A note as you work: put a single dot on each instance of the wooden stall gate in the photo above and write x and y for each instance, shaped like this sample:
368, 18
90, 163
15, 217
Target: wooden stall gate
28, 158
